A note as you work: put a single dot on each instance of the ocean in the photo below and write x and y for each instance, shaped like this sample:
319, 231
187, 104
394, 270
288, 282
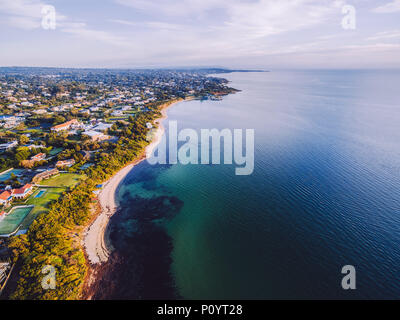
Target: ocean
325, 193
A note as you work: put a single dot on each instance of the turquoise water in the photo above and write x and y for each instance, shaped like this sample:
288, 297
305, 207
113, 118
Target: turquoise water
325, 193
40, 193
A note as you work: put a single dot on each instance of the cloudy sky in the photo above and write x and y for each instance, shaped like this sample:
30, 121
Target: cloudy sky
229, 33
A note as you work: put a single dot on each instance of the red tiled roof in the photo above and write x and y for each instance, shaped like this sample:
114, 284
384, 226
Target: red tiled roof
22, 190
65, 124
38, 156
5, 195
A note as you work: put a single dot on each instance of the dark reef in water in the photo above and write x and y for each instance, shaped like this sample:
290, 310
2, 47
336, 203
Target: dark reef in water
139, 267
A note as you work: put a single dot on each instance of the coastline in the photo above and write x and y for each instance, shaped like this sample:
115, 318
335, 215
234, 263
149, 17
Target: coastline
96, 241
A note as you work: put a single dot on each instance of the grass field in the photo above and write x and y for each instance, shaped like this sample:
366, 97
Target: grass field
41, 204
59, 184
63, 180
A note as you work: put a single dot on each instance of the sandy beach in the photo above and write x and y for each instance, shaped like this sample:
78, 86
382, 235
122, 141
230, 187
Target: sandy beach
96, 244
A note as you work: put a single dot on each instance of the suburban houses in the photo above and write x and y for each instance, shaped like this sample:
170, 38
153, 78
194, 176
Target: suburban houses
65, 163
62, 130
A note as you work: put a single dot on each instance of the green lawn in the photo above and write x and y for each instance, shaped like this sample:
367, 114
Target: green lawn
63, 180
41, 204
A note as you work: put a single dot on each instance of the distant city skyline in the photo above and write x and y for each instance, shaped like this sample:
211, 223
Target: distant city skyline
264, 34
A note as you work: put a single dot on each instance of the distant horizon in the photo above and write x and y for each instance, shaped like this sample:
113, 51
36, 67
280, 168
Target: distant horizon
207, 67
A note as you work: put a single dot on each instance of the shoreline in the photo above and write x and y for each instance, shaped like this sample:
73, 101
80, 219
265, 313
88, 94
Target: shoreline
96, 240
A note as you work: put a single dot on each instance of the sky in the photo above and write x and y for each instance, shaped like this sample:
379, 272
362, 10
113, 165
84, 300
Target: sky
266, 34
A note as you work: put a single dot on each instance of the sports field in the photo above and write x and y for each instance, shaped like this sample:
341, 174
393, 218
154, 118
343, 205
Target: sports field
63, 180
12, 221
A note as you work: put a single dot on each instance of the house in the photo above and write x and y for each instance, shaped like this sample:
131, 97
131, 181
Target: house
96, 136
117, 113
9, 145
94, 109
102, 127
5, 197
21, 193
65, 126
45, 175
39, 157
26, 104
65, 163
34, 146
40, 111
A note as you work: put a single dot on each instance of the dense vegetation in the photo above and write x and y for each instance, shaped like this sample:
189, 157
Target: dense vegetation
53, 238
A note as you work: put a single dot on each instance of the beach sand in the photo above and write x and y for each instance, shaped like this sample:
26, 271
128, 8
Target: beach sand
96, 242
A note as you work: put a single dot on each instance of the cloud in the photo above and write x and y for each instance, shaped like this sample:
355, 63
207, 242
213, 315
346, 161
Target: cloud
266, 17
24, 14
81, 30
176, 7
27, 15
388, 8
150, 24
385, 35
228, 26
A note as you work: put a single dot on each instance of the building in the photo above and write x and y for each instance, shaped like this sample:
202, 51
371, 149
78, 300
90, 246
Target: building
65, 126
101, 127
65, 163
22, 193
5, 197
45, 175
117, 113
96, 136
9, 145
38, 157
34, 146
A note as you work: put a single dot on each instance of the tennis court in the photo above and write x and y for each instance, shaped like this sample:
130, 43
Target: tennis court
9, 225
7, 175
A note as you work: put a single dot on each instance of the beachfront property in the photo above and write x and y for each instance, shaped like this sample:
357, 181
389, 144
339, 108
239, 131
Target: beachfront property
6, 196
65, 163
45, 175
23, 192
66, 125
